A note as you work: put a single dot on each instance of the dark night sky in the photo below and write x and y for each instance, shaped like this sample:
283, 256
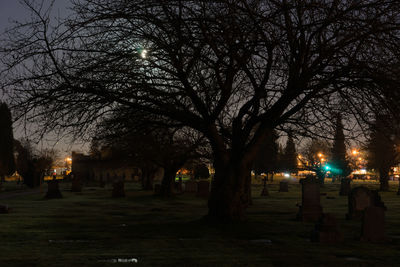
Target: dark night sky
11, 10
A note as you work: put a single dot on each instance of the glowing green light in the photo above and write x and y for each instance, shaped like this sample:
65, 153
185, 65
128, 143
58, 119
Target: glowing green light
327, 167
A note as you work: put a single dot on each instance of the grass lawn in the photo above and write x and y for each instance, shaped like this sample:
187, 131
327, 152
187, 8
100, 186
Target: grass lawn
92, 229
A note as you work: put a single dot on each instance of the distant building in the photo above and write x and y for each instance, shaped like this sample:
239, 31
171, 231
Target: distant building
103, 168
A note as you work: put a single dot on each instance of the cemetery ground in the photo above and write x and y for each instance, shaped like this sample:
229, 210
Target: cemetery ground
92, 229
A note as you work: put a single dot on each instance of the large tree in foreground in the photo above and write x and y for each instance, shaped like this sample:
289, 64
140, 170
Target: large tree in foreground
232, 70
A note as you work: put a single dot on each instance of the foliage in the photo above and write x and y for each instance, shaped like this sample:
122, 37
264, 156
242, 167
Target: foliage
338, 161
7, 163
316, 152
201, 171
382, 148
266, 160
289, 157
33, 166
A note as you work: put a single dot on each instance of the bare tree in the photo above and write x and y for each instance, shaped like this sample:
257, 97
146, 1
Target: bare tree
232, 70
151, 146
316, 154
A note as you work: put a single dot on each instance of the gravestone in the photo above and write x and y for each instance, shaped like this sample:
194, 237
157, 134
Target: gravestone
118, 189
283, 186
326, 230
191, 186
76, 185
4, 209
373, 224
203, 189
345, 187
53, 191
310, 209
157, 189
360, 198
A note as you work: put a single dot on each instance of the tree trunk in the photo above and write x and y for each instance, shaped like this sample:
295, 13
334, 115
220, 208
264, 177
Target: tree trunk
248, 188
384, 179
148, 177
168, 181
230, 191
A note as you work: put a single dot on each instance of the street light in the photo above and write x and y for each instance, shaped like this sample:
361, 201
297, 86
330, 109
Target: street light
354, 152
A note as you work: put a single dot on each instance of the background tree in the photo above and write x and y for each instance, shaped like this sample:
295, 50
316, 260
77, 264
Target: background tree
151, 146
7, 163
201, 171
339, 165
316, 152
232, 70
24, 163
382, 147
289, 157
266, 160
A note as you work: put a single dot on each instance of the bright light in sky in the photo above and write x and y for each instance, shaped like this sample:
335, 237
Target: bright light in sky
143, 54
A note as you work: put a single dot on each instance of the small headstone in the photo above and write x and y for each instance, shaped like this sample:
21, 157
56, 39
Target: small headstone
191, 186
53, 191
345, 187
283, 186
76, 185
373, 224
326, 230
310, 209
118, 189
157, 189
203, 189
4, 209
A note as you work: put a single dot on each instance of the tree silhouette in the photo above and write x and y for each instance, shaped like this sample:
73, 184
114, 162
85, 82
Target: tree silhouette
7, 161
150, 146
266, 160
289, 157
383, 153
232, 70
339, 164
316, 152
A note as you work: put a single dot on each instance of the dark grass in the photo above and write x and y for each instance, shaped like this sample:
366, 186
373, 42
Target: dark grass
93, 229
